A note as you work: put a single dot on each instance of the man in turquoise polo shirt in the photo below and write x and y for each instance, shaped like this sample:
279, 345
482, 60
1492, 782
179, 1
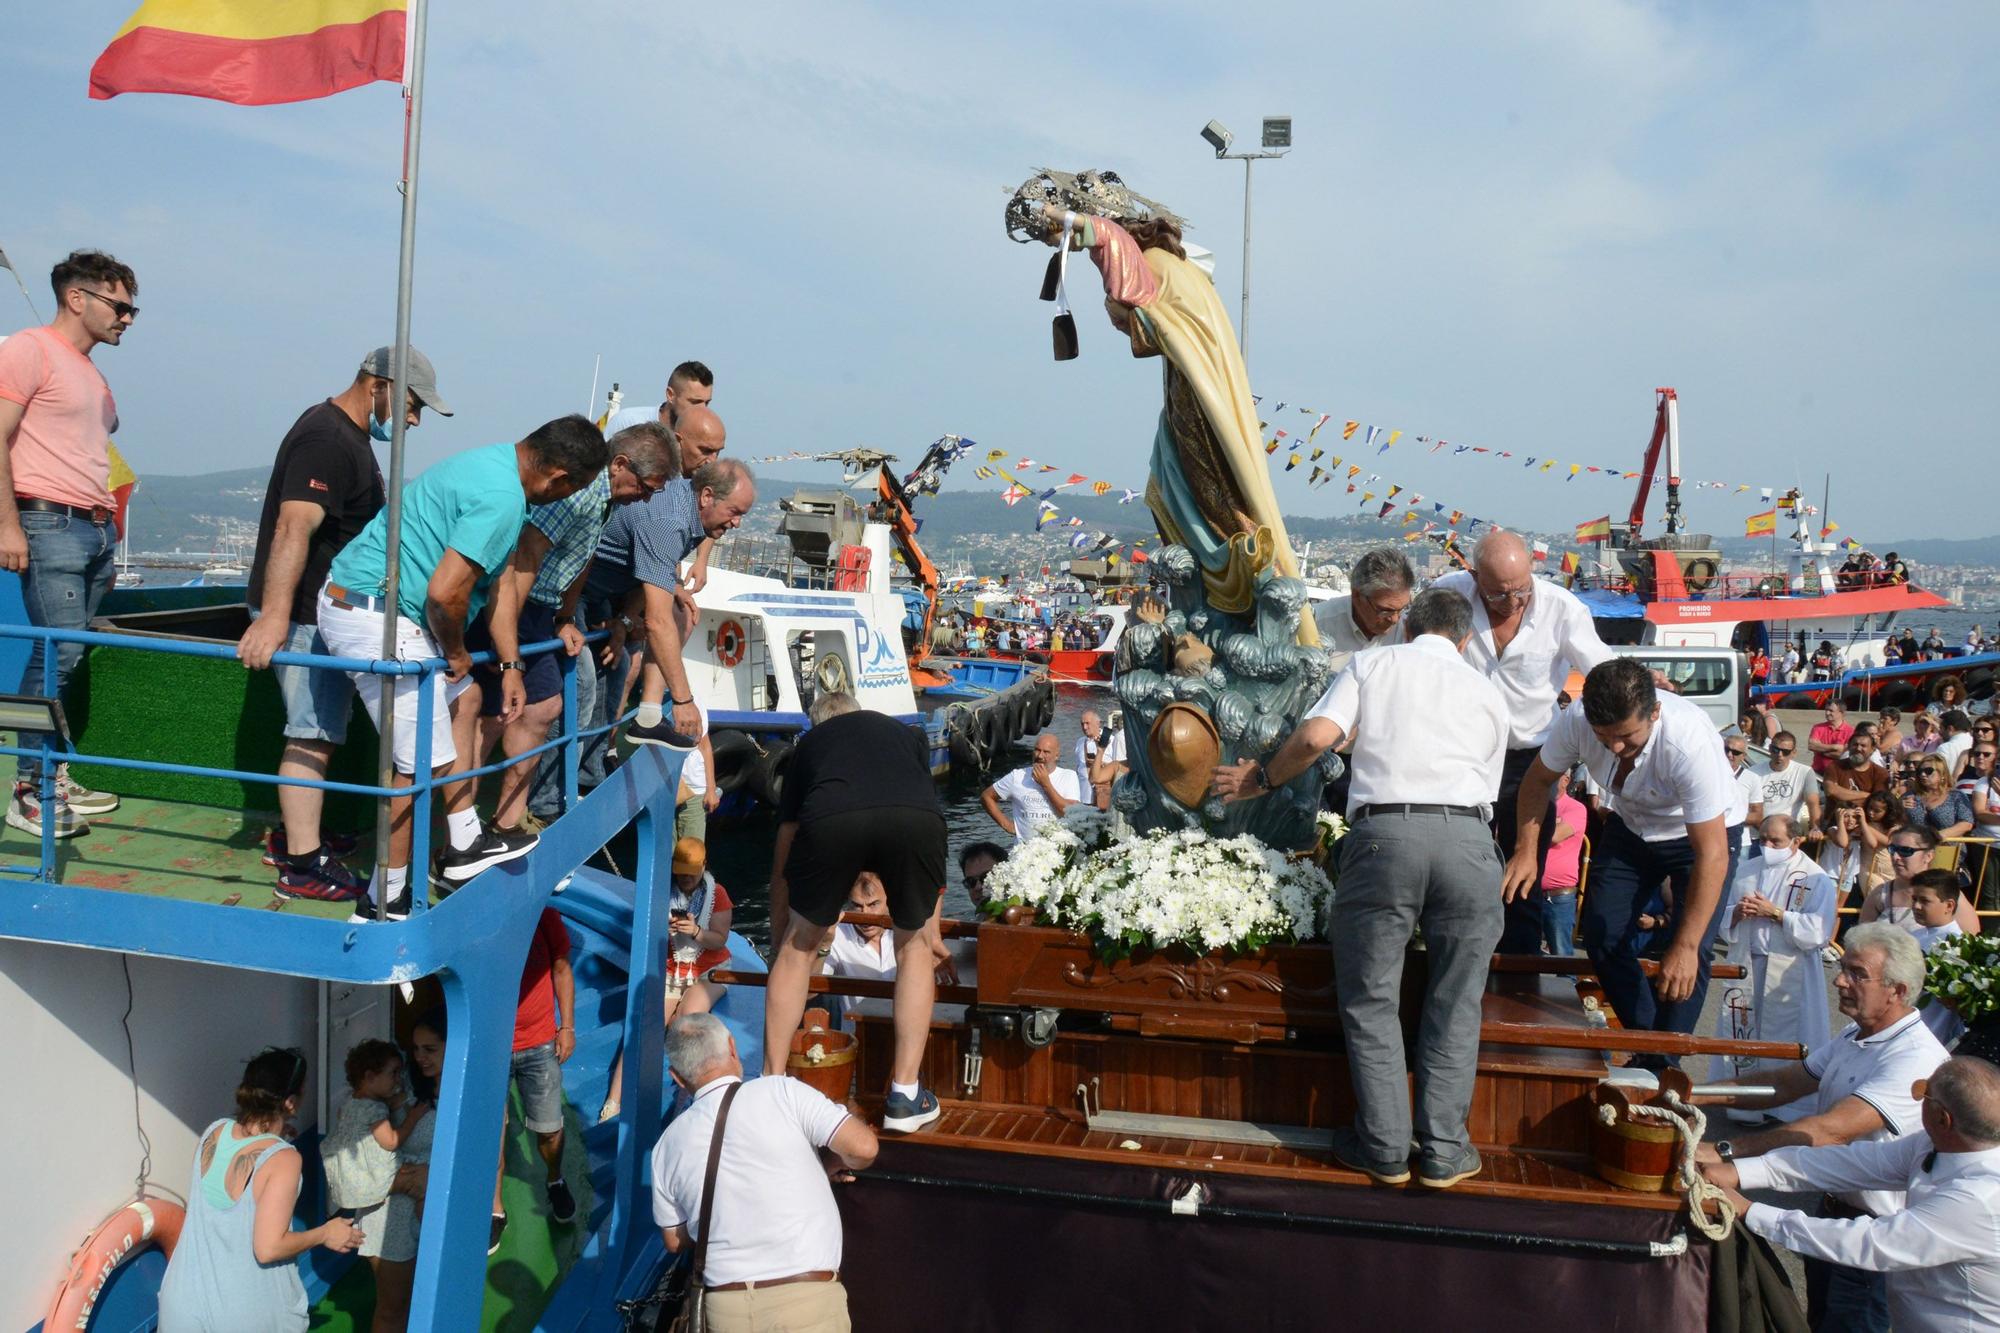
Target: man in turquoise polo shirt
460, 522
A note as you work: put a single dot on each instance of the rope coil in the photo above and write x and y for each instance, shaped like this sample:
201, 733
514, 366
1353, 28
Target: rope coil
1690, 1124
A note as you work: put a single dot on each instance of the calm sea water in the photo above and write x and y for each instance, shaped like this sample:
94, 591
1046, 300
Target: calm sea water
739, 852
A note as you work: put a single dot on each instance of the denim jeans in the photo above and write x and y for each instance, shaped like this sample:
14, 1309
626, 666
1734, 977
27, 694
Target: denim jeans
1845, 1300
1522, 932
1559, 921
545, 789
71, 562
1625, 873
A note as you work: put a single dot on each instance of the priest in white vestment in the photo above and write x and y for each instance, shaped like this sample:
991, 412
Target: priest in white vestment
1780, 915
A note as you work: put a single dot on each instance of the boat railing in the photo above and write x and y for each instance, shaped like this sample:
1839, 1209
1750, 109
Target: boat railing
772, 558
1977, 861
473, 943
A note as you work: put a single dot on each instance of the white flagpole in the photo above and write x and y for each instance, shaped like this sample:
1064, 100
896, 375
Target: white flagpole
8, 264
399, 410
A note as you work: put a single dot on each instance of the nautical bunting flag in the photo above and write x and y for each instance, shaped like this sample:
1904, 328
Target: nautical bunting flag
253, 52
983, 473
1827, 531
1099, 487
1127, 496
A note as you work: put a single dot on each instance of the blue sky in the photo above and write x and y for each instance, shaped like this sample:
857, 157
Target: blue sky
1503, 225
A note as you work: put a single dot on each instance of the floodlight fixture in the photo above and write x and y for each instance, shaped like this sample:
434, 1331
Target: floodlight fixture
1219, 138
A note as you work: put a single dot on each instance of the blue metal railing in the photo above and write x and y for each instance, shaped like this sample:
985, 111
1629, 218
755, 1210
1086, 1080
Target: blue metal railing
423, 781
473, 944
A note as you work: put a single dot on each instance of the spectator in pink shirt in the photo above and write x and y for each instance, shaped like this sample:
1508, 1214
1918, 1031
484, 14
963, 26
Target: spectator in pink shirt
1828, 739
56, 509
1562, 872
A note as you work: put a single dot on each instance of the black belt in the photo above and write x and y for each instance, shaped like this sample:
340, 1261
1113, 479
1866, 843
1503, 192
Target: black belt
1411, 808
88, 513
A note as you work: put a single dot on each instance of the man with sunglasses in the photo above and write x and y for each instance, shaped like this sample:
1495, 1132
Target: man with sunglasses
1790, 788
1528, 635
57, 512
325, 487
1737, 748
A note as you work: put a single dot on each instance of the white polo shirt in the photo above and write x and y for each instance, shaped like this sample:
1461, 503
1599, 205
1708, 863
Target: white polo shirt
774, 1213
1340, 636
1681, 776
1556, 637
1428, 728
1879, 1070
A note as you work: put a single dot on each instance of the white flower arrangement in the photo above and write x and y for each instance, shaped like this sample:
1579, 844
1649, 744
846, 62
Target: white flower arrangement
1163, 889
1963, 972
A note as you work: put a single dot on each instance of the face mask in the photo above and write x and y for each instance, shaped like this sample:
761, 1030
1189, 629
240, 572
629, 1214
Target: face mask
379, 430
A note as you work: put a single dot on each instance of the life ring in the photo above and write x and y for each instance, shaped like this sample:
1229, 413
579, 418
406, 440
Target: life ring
830, 673
1699, 574
730, 643
142, 1222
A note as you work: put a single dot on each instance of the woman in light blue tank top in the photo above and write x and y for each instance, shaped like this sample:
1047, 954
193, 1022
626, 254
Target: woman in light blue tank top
235, 1269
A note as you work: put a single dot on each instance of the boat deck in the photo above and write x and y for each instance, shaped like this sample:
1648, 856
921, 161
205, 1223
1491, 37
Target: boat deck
171, 849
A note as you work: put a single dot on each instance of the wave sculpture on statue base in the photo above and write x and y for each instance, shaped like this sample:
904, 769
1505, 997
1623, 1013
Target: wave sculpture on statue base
1223, 668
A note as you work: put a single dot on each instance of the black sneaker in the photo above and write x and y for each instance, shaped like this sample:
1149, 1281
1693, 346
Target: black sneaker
562, 1204
333, 844
661, 733
1441, 1172
365, 909
322, 879
1347, 1150
498, 1230
493, 847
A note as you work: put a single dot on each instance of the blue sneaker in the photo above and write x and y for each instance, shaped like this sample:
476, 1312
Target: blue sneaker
906, 1115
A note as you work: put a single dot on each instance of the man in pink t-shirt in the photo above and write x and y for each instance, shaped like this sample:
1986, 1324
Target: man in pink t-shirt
1828, 740
56, 508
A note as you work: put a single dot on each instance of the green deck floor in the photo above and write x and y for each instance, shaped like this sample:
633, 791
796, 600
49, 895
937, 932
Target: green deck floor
170, 850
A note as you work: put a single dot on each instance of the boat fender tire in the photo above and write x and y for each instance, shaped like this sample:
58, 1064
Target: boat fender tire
1977, 680
1045, 711
1016, 715
769, 782
993, 737
1900, 695
736, 757
1851, 698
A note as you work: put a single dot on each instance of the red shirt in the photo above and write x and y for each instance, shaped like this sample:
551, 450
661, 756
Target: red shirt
1825, 733
712, 957
535, 1015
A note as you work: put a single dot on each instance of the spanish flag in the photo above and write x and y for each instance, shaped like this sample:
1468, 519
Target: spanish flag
1761, 525
1596, 530
253, 52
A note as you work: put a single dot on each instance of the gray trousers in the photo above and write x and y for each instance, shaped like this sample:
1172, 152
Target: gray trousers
1396, 872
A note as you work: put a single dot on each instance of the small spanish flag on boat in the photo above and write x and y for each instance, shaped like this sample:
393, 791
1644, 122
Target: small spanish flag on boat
1761, 525
1595, 530
254, 52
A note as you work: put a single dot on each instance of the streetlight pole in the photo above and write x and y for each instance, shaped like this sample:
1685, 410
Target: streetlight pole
1277, 142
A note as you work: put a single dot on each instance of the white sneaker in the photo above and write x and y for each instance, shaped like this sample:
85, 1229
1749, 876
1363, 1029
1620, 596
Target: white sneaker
24, 812
81, 798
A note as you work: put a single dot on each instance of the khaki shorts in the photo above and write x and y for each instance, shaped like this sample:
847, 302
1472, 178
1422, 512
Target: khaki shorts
796, 1307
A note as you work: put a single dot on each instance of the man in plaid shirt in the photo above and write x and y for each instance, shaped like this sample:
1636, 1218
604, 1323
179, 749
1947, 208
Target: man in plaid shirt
534, 600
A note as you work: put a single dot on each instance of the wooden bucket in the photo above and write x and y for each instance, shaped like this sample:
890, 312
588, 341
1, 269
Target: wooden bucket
1629, 1152
832, 1072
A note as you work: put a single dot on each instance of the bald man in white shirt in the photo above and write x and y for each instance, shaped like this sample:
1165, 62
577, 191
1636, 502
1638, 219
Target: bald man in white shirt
1528, 635
1429, 732
1676, 816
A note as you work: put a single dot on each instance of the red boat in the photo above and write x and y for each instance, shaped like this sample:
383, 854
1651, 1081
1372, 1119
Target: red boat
1077, 666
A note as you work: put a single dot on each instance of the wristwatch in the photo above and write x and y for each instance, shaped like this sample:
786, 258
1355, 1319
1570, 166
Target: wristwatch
1263, 776
1725, 1150
512, 666
565, 620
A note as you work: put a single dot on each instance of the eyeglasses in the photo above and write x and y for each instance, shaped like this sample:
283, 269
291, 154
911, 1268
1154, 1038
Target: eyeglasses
122, 309
1897, 850
1509, 596
1736, 754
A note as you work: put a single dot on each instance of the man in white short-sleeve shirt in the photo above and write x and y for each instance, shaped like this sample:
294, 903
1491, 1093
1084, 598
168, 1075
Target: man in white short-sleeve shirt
1528, 635
1790, 788
1862, 1088
1429, 733
1675, 816
774, 1223
1033, 795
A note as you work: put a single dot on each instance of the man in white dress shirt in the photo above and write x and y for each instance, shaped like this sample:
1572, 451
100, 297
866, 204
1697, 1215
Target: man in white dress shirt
1780, 914
1084, 753
774, 1245
1429, 733
1380, 586
1527, 636
1860, 1087
1937, 1254
1675, 815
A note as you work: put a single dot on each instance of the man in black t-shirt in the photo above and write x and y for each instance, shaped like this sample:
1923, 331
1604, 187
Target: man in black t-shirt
858, 797
325, 487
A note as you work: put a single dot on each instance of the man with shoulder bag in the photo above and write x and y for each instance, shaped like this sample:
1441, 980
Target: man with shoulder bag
750, 1164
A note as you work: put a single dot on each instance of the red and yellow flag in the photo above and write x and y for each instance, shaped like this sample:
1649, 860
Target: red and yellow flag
123, 481
1761, 525
253, 52
1596, 530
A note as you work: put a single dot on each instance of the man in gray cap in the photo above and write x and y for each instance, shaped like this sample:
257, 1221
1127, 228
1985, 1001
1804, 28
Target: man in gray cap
325, 487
